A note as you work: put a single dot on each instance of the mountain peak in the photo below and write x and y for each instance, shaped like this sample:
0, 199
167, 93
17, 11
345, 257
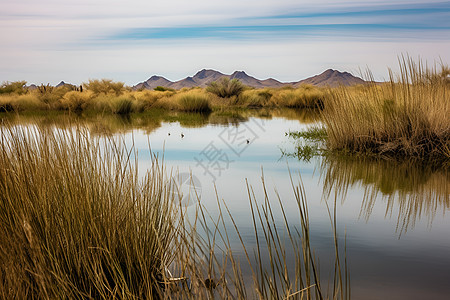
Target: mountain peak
204, 77
62, 83
204, 73
332, 78
239, 75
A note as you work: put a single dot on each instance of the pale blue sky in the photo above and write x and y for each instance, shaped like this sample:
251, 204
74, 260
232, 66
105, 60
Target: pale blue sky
52, 40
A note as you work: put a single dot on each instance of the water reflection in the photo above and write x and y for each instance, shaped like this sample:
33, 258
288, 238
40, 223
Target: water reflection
414, 190
108, 124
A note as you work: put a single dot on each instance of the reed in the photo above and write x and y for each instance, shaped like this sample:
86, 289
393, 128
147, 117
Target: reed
79, 221
193, 101
226, 87
306, 96
75, 220
406, 117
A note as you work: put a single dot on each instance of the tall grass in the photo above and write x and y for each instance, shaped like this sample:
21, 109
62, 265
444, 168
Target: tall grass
75, 220
226, 87
194, 102
306, 96
406, 117
78, 222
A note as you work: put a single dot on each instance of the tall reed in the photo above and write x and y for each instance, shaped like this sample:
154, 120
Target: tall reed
79, 221
75, 220
408, 116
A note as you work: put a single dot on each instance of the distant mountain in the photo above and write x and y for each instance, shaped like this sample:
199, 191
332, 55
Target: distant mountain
153, 82
62, 83
331, 78
204, 77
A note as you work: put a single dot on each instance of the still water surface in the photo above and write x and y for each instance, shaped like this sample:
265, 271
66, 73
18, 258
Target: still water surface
394, 217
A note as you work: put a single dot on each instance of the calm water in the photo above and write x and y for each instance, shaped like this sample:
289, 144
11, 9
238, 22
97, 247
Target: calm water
395, 216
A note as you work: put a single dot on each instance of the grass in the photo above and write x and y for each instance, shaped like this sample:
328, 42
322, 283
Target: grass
306, 96
75, 221
78, 221
194, 102
406, 117
309, 143
226, 87
106, 96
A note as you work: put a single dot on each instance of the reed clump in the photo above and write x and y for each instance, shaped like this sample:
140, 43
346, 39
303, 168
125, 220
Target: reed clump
406, 117
194, 101
305, 96
78, 221
226, 87
254, 98
75, 220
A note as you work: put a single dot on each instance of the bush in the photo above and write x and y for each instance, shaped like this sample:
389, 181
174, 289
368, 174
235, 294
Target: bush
17, 103
254, 98
146, 99
303, 97
225, 87
195, 102
163, 89
122, 106
105, 86
75, 101
17, 87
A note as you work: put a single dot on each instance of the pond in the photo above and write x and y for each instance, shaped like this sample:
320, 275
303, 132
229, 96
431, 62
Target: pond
393, 218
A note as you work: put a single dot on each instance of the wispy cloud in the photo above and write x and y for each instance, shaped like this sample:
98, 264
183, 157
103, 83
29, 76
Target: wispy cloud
431, 20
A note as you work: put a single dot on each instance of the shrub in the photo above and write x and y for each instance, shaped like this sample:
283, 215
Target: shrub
254, 98
122, 105
163, 89
303, 97
75, 101
225, 87
146, 99
195, 102
105, 86
17, 87
14, 102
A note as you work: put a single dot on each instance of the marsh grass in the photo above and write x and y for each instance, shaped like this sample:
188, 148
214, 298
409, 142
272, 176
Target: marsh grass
78, 221
407, 116
305, 96
75, 221
76, 101
194, 102
254, 98
309, 143
226, 87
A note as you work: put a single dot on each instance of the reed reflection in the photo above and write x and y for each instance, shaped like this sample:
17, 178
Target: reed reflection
414, 190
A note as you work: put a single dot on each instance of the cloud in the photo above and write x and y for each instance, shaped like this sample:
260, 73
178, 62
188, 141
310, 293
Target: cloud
431, 20
287, 39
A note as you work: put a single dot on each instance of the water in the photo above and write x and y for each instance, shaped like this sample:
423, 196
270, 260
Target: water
393, 218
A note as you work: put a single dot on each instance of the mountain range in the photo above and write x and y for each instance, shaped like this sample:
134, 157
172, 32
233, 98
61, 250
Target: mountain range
202, 78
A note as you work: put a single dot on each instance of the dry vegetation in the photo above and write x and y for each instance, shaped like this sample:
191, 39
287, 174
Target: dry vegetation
107, 96
406, 117
78, 221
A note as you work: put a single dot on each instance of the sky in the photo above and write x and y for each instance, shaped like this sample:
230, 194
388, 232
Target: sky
48, 41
